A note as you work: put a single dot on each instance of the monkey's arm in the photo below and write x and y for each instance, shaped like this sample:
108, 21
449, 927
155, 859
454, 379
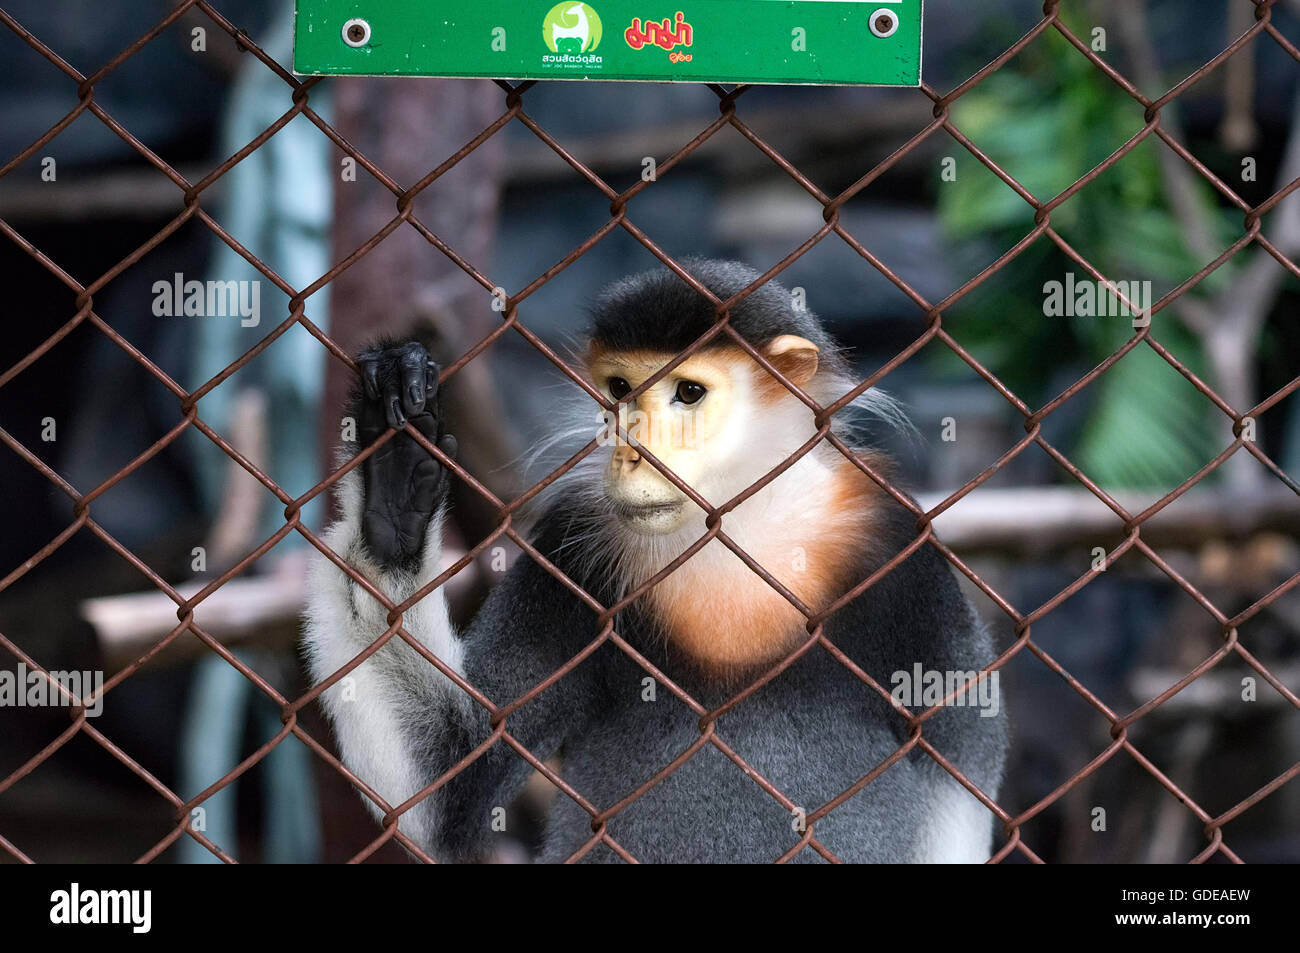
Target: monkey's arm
400, 723
919, 615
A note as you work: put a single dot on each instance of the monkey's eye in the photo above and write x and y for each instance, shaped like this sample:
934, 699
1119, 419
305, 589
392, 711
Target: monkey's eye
688, 392
619, 388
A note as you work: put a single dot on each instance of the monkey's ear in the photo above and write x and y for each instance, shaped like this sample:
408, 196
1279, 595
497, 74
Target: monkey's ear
793, 356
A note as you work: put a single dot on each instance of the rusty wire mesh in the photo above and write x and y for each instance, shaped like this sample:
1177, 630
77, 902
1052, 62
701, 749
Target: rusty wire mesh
931, 314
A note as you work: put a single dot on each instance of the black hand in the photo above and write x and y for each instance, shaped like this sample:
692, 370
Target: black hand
403, 484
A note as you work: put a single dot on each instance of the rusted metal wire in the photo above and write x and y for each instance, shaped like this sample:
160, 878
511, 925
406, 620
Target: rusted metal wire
931, 315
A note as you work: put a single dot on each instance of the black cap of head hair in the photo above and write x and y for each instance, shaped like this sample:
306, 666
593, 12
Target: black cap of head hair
658, 311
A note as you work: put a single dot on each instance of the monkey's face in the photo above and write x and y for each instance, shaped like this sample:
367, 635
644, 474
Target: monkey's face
718, 421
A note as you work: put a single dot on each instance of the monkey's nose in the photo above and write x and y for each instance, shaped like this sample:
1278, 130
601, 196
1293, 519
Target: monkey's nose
625, 460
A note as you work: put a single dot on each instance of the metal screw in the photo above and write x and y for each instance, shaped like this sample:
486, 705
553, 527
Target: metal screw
356, 32
884, 23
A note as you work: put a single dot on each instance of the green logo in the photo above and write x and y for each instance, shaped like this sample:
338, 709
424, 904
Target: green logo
571, 28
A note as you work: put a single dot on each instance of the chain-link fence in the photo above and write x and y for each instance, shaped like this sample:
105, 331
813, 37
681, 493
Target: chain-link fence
930, 317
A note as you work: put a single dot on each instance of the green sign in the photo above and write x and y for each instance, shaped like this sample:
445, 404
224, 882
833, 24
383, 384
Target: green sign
867, 42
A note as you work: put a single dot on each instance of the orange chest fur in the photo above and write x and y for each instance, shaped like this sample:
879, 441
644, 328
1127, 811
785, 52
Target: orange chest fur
727, 617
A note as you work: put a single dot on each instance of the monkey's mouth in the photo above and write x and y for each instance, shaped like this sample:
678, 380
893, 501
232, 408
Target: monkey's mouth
646, 513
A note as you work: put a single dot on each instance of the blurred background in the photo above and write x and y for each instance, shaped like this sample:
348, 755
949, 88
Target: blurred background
87, 200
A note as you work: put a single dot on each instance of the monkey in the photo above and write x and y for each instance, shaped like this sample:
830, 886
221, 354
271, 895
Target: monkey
713, 626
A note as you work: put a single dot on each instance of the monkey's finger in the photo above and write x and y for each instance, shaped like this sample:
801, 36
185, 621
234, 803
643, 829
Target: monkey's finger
432, 377
411, 372
427, 424
370, 378
447, 444
392, 401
